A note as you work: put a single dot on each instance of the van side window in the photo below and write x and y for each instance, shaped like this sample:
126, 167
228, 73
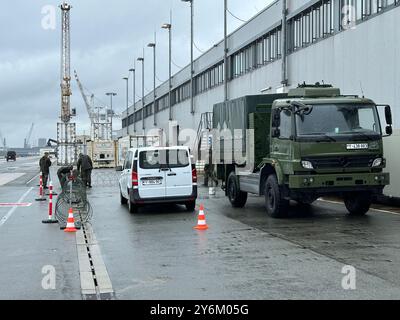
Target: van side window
126, 161
129, 161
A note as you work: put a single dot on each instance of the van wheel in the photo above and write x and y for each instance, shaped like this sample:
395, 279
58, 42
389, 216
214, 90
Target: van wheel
122, 199
190, 206
236, 197
276, 205
358, 204
133, 208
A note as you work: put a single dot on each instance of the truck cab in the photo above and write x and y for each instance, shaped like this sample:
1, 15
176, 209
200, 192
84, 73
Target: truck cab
320, 143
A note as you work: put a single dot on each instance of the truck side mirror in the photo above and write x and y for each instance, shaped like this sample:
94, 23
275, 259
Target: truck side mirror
388, 115
276, 133
276, 118
389, 130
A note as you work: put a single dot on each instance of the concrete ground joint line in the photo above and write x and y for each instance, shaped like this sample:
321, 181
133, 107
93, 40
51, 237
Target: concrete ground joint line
12, 210
97, 286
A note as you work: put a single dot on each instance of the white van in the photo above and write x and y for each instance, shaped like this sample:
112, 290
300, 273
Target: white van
153, 175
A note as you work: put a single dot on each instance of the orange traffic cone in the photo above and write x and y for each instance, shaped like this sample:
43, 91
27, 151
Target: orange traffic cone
71, 222
201, 223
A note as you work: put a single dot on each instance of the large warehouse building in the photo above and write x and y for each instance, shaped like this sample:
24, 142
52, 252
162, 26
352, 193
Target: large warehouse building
352, 44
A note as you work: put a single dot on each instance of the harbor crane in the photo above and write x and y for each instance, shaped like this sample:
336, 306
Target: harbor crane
3, 142
100, 126
27, 139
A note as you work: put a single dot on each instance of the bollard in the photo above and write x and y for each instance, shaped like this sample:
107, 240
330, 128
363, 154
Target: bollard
41, 198
50, 219
53, 192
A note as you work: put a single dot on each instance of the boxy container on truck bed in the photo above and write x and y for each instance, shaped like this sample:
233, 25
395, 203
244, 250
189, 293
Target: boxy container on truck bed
237, 117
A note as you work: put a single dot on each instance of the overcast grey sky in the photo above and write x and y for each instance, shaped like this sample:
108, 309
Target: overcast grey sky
106, 38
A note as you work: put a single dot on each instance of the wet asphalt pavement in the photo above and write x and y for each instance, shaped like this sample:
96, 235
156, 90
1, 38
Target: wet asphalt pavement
29, 249
245, 254
156, 254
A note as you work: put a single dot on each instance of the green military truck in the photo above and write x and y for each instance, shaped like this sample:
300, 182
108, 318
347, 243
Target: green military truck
308, 143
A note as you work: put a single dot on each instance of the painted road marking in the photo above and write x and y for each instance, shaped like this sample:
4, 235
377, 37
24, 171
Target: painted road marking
30, 164
33, 178
10, 213
379, 210
10, 205
8, 177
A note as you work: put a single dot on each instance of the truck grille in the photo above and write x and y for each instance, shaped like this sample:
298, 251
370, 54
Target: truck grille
342, 161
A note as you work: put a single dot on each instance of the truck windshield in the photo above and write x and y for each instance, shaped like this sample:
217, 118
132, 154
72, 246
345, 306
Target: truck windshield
339, 119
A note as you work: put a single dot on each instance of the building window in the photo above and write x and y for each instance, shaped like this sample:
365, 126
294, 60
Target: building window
138, 115
314, 23
264, 50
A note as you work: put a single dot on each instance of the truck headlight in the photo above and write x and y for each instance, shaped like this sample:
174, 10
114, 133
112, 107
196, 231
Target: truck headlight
307, 165
377, 162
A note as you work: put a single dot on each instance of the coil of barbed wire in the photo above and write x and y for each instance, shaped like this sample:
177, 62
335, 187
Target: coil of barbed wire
73, 195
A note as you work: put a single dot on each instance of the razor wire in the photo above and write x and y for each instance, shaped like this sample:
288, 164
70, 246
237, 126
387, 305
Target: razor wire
73, 195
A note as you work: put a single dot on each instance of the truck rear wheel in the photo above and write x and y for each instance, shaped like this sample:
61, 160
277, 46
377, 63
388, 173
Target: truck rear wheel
358, 204
236, 197
276, 205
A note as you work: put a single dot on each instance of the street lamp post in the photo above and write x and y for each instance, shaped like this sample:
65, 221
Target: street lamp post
226, 74
153, 45
168, 26
127, 104
142, 61
191, 56
111, 95
133, 70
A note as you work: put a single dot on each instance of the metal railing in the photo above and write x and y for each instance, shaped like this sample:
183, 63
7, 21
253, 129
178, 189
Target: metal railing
206, 123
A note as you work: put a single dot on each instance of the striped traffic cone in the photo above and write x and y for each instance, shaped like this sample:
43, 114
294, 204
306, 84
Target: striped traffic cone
201, 223
70, 222
50, 219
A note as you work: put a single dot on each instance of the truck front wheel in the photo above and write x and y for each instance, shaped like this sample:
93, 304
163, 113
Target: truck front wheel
236, 197
358, 204
276, 205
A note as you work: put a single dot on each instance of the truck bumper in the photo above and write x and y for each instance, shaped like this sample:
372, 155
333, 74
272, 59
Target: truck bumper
340, 182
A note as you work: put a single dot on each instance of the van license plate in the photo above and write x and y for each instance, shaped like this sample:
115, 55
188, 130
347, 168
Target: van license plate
152, 182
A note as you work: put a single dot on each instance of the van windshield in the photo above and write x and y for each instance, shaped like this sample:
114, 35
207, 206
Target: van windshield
156, 159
